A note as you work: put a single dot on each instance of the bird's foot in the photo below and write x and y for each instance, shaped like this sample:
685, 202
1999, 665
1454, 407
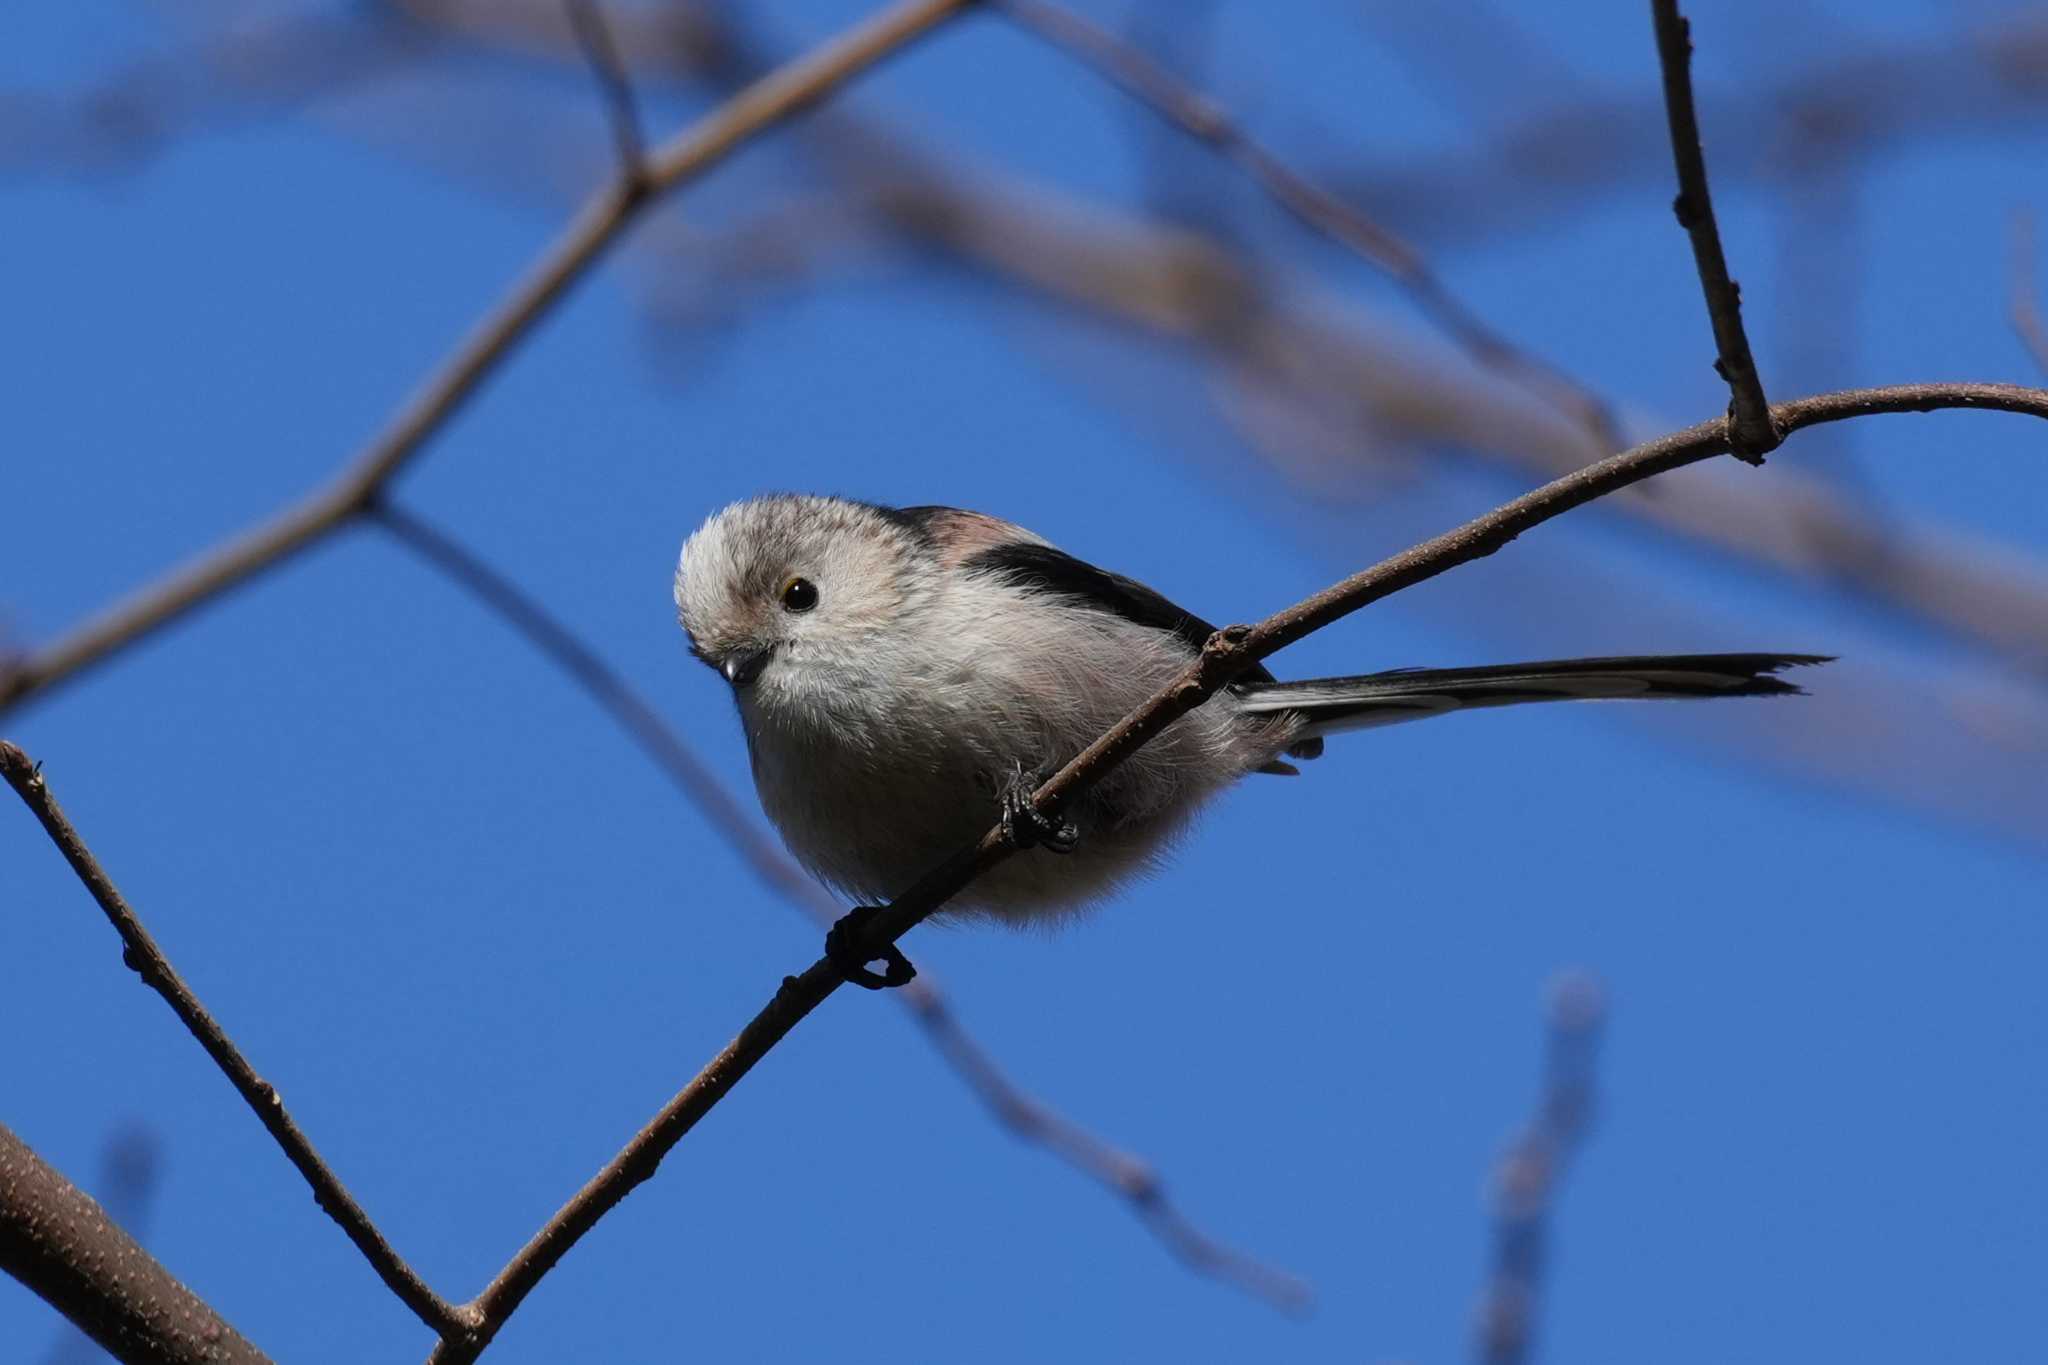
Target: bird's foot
842, 947
1025, 826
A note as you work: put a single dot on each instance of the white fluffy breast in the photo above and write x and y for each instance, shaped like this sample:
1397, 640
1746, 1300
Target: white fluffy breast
879, 760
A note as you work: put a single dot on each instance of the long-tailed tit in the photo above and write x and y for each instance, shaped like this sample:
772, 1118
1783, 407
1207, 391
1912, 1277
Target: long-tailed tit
906, 677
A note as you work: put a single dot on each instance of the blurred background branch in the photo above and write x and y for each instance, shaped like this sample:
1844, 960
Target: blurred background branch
1329, 395
1203, 119
140, 953
613, 85
2026, 290
1027, 1118
690, 153
1226, 655
1533, 1169
1313, 397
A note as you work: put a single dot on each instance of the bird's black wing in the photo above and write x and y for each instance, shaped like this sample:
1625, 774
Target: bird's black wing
1041, 568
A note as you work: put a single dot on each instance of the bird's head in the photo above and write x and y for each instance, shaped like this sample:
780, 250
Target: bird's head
774, 588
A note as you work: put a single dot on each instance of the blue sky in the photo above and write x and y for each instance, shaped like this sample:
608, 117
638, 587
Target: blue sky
475, 939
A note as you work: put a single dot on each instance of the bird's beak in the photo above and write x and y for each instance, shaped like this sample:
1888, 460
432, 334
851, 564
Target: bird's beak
742, 666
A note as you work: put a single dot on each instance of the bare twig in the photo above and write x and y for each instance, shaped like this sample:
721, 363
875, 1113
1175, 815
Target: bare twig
1132, 70
2026, 299
1526, 1182
140, 952
594, 36
1884, 94
1358, 380
1129, 1177
1749, 412
1338, 378
1351, 382
639, 1159
56, 1240
1029, 1119
688, 155
1228, 653
648, 731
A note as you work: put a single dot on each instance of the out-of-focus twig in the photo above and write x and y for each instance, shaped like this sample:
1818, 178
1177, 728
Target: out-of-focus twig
1228, 653
1749, 412
1821, 268
61, 1244
139, 950
612, 695
686, 156
1576, 156
1476, 58
1133, 71
1028, 1118
1535, 1164
1130, 1177
594, 36
1361, 386
2026, 297
1321, 389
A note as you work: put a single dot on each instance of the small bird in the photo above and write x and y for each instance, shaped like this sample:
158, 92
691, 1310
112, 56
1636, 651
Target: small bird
906, 677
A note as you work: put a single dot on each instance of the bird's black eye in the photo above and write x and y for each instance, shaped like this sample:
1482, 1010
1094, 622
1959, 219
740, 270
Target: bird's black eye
799, 594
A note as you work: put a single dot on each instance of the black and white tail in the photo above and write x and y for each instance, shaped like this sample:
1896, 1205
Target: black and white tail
1335, 704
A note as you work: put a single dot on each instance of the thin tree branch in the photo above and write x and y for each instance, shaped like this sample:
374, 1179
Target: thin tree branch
1129, 1177
594, 36
1888, 94
58, 1241
638, 1160
1342, 384
1130, 69
703, 145
2026, 299
1749, 412
1284, 350
614, 696
141, 953
1027, 1118
1228, 653
1526, 1182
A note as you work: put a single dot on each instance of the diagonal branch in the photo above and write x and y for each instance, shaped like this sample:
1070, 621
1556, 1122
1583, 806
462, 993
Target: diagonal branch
703, 145
1228, 653
140, 951
1282, 353
1130, 69
1749, 413
1525, 1184
1029, 1119
1129, 1177
611, 693
61, 1244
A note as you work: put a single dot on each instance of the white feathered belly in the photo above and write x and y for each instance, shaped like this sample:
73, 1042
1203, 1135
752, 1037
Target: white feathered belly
870, 805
